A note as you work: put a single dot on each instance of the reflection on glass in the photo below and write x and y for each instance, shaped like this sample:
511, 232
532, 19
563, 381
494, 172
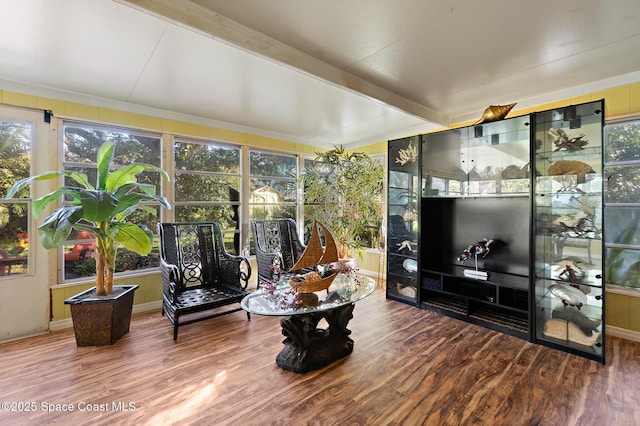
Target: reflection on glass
14, 240
79, 260
623, 267
272, 165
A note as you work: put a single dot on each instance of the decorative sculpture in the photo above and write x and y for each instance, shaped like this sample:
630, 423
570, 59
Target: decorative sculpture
570, 296
475, 249
567, 330
481, 247
312, 256
563, 141
407, 156
571, 167
495, 113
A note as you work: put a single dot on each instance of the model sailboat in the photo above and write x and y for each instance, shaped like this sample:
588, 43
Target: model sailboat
312, 256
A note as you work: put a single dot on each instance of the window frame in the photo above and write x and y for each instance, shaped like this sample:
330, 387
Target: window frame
65, 164
608, 167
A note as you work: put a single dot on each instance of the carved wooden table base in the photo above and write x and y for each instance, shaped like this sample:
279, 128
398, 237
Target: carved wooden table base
307, 347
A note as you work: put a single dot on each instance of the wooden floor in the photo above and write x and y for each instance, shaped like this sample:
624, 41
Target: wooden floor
409, 367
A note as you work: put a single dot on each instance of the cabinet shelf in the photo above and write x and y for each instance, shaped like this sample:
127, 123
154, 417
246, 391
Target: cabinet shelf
492, 317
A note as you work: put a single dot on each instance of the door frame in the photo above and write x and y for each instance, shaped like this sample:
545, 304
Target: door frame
25, 298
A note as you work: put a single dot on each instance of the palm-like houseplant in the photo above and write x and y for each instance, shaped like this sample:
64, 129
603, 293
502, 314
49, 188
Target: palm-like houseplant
101, 210
342, 190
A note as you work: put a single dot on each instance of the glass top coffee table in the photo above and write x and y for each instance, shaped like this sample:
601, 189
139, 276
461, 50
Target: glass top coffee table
306, 346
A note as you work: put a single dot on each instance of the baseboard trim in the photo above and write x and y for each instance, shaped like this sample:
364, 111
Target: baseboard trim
143, 307
623, 333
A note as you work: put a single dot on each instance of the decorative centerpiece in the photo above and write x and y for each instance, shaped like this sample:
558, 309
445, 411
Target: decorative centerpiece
312, 257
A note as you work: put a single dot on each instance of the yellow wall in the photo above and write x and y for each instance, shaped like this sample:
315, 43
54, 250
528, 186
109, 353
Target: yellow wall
622, 309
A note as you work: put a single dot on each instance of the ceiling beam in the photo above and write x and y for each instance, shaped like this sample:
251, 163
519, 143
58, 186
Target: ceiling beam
210, 23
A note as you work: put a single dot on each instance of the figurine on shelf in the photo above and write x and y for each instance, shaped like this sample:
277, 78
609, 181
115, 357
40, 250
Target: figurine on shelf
563, 141
405, 245
407, 156
481, 247
570, 268
570, 296
567, 330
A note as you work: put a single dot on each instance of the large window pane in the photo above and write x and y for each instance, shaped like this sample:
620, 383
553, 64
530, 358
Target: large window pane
207, 186
206, 157
222, 213
622, 142
623, 225
273, 180
623, 267
622, 202
14, 238
273, 165
81, 144
196, 187
15, 164
623, 184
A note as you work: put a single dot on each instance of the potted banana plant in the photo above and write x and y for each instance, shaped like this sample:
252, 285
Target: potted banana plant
102, 211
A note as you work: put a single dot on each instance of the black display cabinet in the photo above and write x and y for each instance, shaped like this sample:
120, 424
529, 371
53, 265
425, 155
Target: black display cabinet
493, 225
568, 249
403, 214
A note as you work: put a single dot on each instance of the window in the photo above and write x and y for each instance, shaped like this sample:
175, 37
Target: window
207, 187
15, 164
81, 144
622, 203
273, 185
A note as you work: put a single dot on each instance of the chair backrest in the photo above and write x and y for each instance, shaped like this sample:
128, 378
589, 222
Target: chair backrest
194, 248
276, 237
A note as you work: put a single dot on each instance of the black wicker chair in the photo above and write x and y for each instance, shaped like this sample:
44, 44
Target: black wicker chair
276, 244
198, 274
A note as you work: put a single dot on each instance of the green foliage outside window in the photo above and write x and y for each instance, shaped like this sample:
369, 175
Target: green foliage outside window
15, 164
622, 208
81, 145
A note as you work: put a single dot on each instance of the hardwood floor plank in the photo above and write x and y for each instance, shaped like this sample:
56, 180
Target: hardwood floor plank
409, 366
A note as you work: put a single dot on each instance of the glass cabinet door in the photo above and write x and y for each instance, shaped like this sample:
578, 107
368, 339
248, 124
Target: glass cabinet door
403, 219
490, 159
568, 228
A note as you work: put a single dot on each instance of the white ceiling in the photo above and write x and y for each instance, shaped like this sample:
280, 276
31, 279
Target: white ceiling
317, 72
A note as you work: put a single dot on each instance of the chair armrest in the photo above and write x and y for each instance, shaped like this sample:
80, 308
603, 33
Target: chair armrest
235, 270
170, 280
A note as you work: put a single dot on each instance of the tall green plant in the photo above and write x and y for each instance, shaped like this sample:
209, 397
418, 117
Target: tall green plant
101, 210
344, 189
